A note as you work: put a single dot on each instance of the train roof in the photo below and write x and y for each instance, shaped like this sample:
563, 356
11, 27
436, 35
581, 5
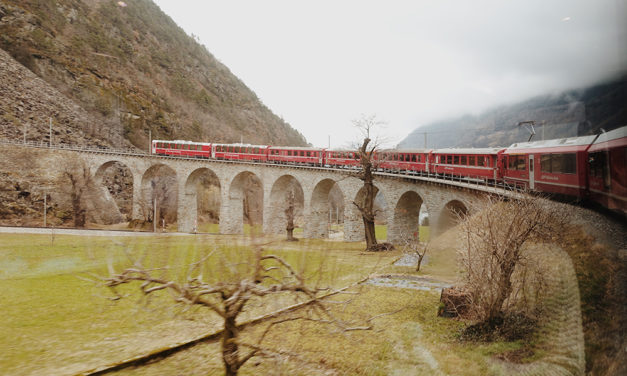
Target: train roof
240, 145
422, 151
612, 135
296, 148
556, 143
468, 151
182, 142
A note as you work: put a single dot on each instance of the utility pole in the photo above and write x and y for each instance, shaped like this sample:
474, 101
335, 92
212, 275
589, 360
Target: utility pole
425, 133
45, 209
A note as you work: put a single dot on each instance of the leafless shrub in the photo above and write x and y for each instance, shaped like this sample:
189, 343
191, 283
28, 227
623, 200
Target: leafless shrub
500, 271
412, 247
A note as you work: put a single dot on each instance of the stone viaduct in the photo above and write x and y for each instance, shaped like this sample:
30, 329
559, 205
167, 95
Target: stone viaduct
404, 195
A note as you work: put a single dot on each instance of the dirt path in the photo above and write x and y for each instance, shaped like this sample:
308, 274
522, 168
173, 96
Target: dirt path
83, 232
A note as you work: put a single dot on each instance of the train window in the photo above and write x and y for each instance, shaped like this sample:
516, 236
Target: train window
516, 162
456, 159
464, 160
598, 164
480, 161
559, 163
302, 153
449, 159
471, 160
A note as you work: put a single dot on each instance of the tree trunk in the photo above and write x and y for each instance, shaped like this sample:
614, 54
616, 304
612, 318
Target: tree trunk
367, 207
289, 214
504, 291
230, 355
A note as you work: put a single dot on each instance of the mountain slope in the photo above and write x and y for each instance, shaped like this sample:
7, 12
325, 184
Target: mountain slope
133, 68
567, 114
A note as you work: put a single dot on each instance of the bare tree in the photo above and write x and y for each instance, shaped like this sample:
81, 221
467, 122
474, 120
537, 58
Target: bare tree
367, 150
494, 254
268, 275
414, 248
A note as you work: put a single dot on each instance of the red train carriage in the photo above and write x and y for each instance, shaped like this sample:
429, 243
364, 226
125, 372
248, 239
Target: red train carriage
480, 163
552, 166
607, 174
296, 155
403, 161
342, 158
180, 148
240, 152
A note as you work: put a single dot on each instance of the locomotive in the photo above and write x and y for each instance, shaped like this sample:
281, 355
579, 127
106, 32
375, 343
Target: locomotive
583, 168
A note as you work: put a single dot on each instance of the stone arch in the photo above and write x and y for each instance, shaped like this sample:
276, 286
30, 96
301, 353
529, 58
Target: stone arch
201, 202
450, 215
317, 225
244, 203
116, 180
405, 221
160, 184
275, 218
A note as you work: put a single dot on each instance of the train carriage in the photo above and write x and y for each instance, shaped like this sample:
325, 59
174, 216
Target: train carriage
342, 158
240, 152
180, 148
296, 155
607, 174
403, 161
479, 163
552, 166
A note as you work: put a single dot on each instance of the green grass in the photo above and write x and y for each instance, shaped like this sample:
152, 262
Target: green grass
54, 319
55, 322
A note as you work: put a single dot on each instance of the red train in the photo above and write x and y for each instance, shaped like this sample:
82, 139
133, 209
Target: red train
589, 167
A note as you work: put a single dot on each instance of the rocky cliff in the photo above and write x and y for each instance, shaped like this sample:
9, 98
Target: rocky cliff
132, 70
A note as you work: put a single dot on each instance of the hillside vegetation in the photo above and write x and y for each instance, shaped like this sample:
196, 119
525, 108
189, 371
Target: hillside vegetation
135, 70
567, 114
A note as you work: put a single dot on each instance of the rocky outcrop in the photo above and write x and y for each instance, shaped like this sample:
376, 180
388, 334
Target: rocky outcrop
28, 104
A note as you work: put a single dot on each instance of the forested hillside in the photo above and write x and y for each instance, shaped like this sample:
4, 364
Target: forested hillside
567, 114
133, 70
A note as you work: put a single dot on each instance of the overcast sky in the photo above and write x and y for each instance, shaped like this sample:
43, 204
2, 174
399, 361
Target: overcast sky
320, 64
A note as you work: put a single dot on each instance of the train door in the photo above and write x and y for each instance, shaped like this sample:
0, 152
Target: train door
531, 173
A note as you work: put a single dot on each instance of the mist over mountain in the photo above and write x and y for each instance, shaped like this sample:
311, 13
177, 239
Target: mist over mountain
567, 114
133, 72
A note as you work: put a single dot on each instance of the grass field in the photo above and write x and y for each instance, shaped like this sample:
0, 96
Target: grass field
58, 321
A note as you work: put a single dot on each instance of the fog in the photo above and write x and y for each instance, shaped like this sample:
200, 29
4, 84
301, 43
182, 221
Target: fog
321, 64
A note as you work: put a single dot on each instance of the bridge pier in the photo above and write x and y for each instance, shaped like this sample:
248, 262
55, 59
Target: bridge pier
187, 211
137, 196
353, 223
